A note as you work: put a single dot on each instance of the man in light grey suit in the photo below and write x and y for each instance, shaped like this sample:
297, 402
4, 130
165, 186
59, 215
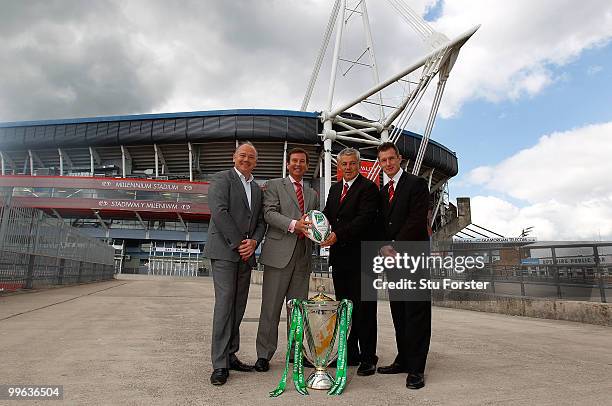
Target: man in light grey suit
286, 253
236, 228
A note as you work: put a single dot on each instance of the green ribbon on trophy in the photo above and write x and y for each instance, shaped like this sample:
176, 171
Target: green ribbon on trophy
299, 315
345, 311
296, 314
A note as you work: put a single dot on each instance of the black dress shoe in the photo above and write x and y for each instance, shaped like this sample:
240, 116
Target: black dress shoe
394, 368
415, 381
236, 365
366, 369
262, 365
219, 376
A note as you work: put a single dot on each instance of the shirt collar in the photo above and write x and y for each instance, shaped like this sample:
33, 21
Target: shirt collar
293, 181
249, 180
350, 182
397, 177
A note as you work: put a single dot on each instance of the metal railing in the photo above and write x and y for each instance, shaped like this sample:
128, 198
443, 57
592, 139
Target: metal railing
37, 250
517, 281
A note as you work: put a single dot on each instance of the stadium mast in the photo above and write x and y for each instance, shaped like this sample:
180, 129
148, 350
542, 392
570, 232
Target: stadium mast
437, 63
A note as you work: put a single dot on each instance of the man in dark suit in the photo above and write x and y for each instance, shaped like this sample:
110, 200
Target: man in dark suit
351, 209
403, 217
236, 228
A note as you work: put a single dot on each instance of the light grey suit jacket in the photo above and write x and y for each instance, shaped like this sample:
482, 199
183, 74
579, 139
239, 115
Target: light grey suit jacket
231, 220
280, 207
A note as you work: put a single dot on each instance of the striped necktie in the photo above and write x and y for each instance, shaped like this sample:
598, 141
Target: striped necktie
391, 190
345, 189
300, 195
300, 198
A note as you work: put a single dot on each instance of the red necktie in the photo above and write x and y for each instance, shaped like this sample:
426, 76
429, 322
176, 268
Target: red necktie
344, 191
300, 198
300, 195
391, 190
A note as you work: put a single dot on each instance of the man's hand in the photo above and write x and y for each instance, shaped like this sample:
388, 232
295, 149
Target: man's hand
302, 225
331, 240
247, 248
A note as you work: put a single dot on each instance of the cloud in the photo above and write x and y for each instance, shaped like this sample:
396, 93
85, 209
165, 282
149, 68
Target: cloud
564, 181
520, 42
113, 57
551, 220
594, 70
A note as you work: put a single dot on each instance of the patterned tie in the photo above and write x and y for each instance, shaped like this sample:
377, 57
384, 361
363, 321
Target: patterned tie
391, 190
344, 191
300, 195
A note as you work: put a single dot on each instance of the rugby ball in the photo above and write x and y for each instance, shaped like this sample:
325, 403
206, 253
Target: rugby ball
320, 228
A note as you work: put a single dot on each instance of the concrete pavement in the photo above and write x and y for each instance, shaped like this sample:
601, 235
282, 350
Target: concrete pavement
147, 342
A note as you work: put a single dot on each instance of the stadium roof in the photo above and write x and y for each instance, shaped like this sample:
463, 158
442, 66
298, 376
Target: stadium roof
178, 115
212, 134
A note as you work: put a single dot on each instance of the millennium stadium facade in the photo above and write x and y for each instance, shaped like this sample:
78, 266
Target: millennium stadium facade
140, 182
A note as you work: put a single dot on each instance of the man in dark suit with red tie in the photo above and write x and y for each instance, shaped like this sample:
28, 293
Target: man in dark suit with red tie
351, 208
403, 217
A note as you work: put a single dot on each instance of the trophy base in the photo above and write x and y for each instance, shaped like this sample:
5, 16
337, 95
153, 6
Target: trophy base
320, 380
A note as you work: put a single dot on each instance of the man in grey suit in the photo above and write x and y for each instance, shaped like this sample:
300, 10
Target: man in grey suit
286, 253
236, 228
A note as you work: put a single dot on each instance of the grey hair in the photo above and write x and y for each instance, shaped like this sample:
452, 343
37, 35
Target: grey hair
349, 151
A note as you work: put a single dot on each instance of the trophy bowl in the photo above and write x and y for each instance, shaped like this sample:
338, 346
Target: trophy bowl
320, 337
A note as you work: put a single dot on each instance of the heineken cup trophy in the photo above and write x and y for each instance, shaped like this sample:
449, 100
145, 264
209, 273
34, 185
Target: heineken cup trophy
319, 329
320, 333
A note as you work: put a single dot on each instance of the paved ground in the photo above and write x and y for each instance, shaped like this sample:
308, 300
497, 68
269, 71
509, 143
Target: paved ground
147, 342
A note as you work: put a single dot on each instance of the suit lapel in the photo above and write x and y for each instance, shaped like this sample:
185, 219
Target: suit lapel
255, 197
351, 191
385, 195
238, 183
396, 191
291, 191
308, 192
334, 198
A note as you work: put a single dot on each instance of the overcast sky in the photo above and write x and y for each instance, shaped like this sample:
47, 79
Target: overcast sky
527, 107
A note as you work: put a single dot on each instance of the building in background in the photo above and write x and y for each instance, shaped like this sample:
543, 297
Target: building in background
140, 182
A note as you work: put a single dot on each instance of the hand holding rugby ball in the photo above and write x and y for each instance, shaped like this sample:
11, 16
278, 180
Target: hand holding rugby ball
319, 228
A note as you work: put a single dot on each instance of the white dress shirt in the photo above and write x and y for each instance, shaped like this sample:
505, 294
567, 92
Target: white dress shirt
246, 183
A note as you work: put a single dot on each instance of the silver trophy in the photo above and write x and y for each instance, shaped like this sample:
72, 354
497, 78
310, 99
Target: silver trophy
320, 336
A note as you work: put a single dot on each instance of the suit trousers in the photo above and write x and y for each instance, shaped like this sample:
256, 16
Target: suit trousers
412, 322
280, 285
231, 281
361, 343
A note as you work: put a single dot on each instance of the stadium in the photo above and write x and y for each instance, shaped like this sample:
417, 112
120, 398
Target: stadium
140, 182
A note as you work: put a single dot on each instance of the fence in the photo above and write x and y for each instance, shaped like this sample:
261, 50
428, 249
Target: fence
556, 282
37, 250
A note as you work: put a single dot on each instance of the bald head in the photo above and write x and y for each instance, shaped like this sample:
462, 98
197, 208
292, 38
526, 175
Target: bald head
245, 159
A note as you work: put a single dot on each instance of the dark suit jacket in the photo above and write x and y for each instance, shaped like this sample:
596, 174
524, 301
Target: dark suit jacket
353, 221
231, 220
405, 218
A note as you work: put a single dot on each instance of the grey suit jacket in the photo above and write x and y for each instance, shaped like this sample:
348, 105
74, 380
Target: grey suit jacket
280, 207
231, 220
